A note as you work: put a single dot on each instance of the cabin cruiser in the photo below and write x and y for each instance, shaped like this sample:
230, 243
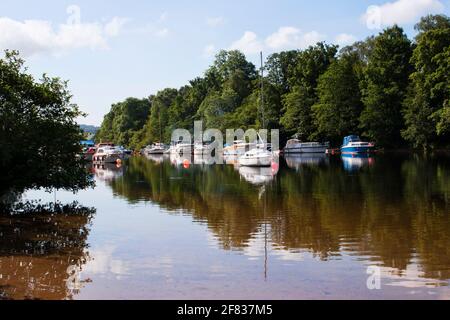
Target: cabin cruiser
108, 154
181, 148
201, 149
295, 146
258, 157
238, 148
157, 148
354, 145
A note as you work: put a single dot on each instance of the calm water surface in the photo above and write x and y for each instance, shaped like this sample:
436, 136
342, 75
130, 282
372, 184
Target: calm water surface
307, 228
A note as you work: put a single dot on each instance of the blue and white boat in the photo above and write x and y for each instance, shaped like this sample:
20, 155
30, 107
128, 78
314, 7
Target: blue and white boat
354, 145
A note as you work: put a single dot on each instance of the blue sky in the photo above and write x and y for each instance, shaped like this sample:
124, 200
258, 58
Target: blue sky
110, 50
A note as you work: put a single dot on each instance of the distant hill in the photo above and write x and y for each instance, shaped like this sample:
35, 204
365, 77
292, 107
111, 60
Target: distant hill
89, 129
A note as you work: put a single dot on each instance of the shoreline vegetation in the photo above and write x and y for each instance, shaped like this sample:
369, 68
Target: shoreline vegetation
39, 136
389, 89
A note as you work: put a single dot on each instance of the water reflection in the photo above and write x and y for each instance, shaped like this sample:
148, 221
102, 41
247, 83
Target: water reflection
259, 176
107, 171
177, 228
354, 163
158, 158
395, 215
41, 255
299, 161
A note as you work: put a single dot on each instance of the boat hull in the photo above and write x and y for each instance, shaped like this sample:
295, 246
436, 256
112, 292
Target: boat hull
357, 150
183, 150
306, 150
256, 162
113, 158
159, 151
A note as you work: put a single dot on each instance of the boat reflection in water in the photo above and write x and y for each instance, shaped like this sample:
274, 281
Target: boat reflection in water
298, 161
108, 171
254, 234
157, 158
259, 175
355, 162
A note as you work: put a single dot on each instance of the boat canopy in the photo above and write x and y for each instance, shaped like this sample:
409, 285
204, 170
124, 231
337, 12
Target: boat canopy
87, 143
349, 139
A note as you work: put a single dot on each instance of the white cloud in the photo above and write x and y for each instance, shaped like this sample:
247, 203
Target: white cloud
113, 28
162, 33
209, 51
292, 38
248, 43
286, 38
345, 39
163, 17
215, 21
311, 38
39, 36
400, 12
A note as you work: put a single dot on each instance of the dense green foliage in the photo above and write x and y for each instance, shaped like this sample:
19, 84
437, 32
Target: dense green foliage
39, 137
426, 111
389, 89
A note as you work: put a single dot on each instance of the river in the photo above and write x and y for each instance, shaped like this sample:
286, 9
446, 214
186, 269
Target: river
311, 227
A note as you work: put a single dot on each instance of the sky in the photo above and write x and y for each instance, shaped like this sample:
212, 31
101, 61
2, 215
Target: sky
111, 50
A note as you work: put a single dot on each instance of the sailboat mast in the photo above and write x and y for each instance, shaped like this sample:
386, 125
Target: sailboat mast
160, 129
263, 120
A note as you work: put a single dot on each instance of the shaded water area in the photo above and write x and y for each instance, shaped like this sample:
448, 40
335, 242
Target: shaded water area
307, 228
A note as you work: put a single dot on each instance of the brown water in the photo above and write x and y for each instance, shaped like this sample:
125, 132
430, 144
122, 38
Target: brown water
308, 229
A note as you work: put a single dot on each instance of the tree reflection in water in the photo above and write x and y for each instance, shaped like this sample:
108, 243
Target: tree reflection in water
42, 251
392, 210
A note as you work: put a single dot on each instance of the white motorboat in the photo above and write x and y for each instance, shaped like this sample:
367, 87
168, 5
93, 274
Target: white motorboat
157, 148
354, 145
183, 148
238, 148
108, 154
259, 155
256, 158
201, 149
295, 146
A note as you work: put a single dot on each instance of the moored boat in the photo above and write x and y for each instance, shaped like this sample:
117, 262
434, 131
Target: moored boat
256, 158
108, 154
238, 148
157, 148
182, 148
295, 146
201, 149
354, 145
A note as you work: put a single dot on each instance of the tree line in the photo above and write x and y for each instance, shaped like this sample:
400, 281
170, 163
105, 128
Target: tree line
389, 89
39, 135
